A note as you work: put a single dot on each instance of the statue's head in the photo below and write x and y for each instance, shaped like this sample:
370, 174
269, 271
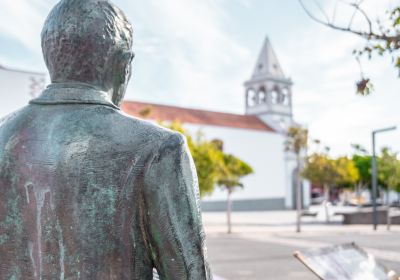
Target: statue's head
90, 42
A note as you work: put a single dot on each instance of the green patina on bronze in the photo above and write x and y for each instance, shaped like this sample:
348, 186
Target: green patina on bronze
87, 192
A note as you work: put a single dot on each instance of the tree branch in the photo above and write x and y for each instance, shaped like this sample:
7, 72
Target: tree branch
370, 35
352, 18
366, 17
321, 10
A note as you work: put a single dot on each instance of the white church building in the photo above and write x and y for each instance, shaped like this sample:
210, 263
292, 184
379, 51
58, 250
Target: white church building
257, 137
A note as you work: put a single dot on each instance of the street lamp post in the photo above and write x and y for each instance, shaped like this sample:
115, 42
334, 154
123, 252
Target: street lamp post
375, 175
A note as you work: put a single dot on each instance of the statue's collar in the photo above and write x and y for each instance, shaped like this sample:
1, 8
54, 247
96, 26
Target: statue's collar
73, 94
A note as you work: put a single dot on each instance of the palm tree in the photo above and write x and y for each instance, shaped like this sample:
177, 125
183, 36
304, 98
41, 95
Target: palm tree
233, 171
296, 142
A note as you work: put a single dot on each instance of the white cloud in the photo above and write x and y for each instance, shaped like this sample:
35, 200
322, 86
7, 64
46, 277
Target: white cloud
197, 51
23, 20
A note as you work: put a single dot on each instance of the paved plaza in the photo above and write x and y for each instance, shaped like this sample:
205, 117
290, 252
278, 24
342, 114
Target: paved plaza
263, 244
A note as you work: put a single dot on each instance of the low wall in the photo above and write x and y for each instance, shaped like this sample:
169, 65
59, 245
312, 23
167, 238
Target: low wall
364, 217
267, 204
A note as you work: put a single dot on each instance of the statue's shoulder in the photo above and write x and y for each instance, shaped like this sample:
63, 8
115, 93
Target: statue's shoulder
8, 119
153, 133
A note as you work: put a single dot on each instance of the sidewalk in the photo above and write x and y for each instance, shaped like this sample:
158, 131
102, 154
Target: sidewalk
263, 243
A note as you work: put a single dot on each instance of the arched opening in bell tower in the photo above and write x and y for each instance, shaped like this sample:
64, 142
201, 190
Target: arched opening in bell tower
275, 93
251, 98
262, 95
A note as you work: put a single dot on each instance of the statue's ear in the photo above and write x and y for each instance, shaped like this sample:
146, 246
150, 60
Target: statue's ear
121, 74
121, 67
127, 58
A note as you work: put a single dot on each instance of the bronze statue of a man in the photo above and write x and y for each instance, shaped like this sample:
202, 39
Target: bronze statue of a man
87, 192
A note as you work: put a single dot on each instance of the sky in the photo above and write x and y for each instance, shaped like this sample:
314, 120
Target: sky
198, 54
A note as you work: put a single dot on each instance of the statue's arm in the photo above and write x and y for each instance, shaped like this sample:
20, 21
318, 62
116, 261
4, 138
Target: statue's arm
175, 230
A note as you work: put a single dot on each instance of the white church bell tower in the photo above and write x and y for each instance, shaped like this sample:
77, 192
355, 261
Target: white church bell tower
269, 91
269, 97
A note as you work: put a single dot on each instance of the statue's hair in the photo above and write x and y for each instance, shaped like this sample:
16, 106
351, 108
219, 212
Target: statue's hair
80, 36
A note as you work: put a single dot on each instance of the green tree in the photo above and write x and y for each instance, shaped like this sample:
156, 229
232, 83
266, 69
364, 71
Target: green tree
396, 186
207, 157
389, 170
362, 161
363, 165
381, 36
327, 172
320, 170
209, 164
296, 143
234, 169
214, 167
389, 175
346, 172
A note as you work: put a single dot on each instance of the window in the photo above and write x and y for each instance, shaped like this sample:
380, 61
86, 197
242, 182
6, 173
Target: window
275, 95
285, 99
252, 99
262, 95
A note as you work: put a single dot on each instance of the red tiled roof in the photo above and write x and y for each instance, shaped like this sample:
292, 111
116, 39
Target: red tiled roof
193, 116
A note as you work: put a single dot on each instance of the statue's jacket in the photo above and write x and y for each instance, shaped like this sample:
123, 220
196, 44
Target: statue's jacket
87, 192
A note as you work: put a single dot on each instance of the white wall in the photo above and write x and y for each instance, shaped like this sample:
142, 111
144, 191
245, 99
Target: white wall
264, 151
290, 167
17, 88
